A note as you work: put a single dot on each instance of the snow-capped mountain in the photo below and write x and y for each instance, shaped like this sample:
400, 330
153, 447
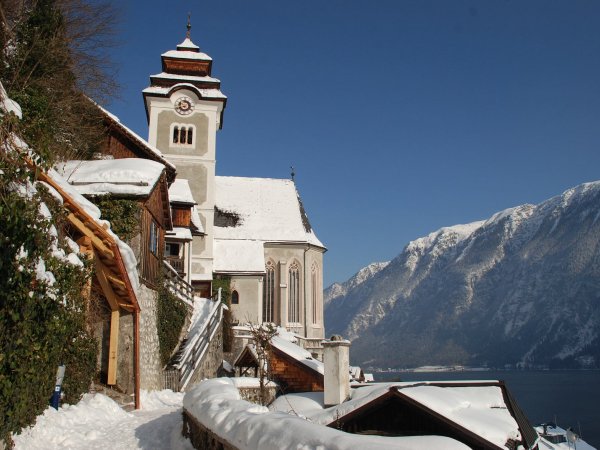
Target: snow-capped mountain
337, 290
522, 287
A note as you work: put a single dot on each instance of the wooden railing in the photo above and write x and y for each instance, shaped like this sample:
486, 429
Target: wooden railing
176, 263
177, 285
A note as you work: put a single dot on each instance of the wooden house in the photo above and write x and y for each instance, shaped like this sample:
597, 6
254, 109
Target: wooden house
141, 180
113, 282
291, 367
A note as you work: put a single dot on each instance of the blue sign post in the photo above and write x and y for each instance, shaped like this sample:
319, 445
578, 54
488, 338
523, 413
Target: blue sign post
60, 374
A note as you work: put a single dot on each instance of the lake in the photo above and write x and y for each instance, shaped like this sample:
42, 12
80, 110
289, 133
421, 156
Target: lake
572, 398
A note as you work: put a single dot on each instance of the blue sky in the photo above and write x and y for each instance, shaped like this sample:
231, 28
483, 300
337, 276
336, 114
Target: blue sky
400, 117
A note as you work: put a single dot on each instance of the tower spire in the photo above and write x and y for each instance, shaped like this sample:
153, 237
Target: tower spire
189, 26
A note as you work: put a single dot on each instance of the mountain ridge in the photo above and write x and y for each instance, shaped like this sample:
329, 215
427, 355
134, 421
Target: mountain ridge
527, 278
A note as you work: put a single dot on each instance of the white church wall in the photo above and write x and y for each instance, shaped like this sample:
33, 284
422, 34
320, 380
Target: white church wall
249, 289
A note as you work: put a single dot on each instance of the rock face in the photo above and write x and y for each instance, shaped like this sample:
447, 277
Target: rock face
522, 288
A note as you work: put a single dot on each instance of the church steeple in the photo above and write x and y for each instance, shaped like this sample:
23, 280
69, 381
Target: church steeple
185, 108
186, 67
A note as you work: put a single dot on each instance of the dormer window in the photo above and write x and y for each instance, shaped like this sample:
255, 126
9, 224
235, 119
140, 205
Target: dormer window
183, 135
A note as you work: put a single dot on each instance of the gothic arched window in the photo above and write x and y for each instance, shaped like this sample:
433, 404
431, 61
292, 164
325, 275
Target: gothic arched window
269, 293
314, 286
294, 293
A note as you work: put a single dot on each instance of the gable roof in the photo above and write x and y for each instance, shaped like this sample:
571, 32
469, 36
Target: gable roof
481, 411
267, 210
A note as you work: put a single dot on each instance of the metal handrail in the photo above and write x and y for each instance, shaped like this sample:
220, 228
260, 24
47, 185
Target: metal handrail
195, 351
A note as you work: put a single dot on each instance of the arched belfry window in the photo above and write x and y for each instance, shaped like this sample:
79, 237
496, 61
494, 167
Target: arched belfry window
235, 298
182, 135
314, 287
269, 293
294, 293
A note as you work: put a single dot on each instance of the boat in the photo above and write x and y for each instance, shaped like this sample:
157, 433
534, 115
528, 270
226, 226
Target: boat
554, 437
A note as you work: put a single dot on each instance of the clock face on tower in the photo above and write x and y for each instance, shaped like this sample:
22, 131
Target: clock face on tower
184, 105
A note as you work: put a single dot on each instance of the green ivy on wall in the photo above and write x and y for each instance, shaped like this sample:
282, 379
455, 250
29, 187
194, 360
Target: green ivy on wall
123, 215
171, 312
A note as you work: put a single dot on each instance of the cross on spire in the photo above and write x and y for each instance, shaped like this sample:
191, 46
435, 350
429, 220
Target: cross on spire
189, 26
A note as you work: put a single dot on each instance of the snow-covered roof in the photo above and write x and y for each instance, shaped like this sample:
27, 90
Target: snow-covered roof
204, 93
238, 256
479, 407
186, 54
141, 141
269, 210
188, 44
129, 176
196, 222
174, 76
217, 405
180, 233
298, 353
180, 192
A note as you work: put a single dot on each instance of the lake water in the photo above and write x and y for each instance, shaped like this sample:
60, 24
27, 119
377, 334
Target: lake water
572, 398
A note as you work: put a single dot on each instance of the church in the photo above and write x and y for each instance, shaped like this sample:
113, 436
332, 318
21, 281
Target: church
254, 231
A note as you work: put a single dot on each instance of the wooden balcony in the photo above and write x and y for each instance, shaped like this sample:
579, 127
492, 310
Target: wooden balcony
177, 263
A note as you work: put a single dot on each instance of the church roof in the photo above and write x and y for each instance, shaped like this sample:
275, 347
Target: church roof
261, 209
246, 257
186, 54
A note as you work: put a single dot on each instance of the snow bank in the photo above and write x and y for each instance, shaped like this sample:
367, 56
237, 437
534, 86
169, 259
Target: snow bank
97, 422
217, 405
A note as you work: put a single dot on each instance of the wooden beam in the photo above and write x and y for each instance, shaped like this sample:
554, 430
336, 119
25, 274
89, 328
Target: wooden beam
96, 242
101, 274
114, 280
113, 348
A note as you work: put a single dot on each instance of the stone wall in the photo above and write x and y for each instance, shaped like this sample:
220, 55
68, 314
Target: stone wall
252, 394
212, 360
201, 437
150, 367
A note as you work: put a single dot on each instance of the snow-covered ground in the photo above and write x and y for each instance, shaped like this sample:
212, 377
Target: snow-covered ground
98, 423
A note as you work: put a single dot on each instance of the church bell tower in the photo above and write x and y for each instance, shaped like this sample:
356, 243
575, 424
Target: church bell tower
184, 106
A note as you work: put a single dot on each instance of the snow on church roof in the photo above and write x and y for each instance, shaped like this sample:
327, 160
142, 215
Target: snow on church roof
128, 176
174, 76
204, 93
238, 256
186, 54
267, 209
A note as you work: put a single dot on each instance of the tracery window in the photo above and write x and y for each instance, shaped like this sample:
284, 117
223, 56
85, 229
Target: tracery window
294, 293
182, 134
269, 293
314, 284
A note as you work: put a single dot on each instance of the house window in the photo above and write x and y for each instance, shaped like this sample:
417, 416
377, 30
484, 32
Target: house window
269, 293
154, 236
235, 298
182, 135
314, 283
171, 249
294, 294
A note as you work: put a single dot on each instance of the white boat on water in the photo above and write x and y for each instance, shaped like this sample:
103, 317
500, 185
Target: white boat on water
554, 437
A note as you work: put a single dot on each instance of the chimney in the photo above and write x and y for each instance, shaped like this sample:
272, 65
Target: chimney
336, 359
